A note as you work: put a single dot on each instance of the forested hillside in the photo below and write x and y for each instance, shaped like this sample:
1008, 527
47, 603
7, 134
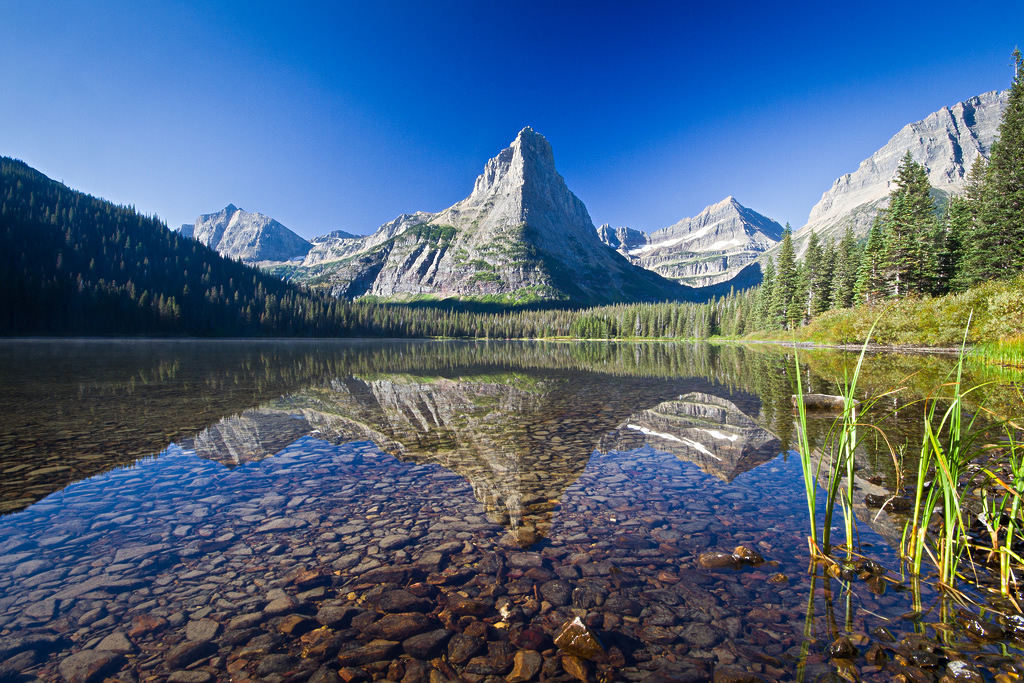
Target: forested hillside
72, 264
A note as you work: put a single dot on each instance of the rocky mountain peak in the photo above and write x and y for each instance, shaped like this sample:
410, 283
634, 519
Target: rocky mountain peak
521, 234
946, 143
251, 237
712, 247
528, 158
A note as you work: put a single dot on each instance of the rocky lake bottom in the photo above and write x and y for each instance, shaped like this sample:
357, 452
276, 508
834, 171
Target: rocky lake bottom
286, 544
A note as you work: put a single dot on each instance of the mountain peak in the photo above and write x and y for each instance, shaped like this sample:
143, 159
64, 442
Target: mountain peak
729, 201
230, 209
946, 143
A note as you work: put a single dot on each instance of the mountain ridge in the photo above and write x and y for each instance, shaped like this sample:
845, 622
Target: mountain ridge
520, 236
707, 249
249, 237
946, 142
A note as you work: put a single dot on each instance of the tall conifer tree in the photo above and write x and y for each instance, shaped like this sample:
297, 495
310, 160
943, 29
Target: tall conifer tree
870, 287
823, 280
909, 221
997, 241
844, 276
765, 312
786, 303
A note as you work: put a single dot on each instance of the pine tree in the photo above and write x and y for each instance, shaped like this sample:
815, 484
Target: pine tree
823, 280
785, 302
870, 287
810, 269
909, 219
997, 241
844, 276
764, 311
951, 254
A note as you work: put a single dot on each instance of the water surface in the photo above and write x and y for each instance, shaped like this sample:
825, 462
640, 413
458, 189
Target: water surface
435, 511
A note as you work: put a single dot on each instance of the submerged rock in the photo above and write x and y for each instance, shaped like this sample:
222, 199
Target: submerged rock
576, 639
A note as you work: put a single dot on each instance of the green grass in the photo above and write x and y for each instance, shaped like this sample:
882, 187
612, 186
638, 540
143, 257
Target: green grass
996, 310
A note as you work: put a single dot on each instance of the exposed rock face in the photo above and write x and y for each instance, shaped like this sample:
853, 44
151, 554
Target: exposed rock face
521, 235
712, 247
251, 237
946, 143
623, 239
338, 245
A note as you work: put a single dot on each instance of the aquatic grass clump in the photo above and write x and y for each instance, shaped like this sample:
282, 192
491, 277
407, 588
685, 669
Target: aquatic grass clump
1005, 352
840, 445
946, 450
1003, 514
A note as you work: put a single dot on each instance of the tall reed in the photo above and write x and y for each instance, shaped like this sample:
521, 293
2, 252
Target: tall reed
840, 444
1004, 515
945, 453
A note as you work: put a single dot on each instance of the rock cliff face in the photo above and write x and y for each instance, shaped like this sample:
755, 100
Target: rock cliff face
520, 236
712, 247
251, 237
946, 142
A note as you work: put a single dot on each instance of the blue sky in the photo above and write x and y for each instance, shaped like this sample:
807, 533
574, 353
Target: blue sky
343, 115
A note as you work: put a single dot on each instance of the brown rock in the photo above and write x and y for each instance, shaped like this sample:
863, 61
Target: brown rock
88, 666
304, 579
745, 555
399, 601
657, 635
735, 675
716, 559
374, 651
525, 666
190, 651
426, 645
400, 626
463, 647
574, 638
296, 625
842, 648
116, 642
467, 606
580, 669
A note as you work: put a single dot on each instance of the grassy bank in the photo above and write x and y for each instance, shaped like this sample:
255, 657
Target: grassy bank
995, 310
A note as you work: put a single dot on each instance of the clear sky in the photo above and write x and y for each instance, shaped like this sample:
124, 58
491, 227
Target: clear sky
342, 115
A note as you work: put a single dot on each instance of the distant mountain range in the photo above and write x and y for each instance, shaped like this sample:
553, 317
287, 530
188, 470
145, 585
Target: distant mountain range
522, 235
714, 246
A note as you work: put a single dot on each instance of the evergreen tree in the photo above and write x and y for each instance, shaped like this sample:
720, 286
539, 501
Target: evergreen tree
870, 287
844, 275
823, 281
764, 308
997, 241
785, 297
950, 254
974, 262
909, 220
810, 272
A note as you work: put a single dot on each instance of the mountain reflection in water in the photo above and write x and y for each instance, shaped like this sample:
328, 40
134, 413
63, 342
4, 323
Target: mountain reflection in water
519, 440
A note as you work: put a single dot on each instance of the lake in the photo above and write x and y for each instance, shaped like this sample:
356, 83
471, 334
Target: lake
441, 511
